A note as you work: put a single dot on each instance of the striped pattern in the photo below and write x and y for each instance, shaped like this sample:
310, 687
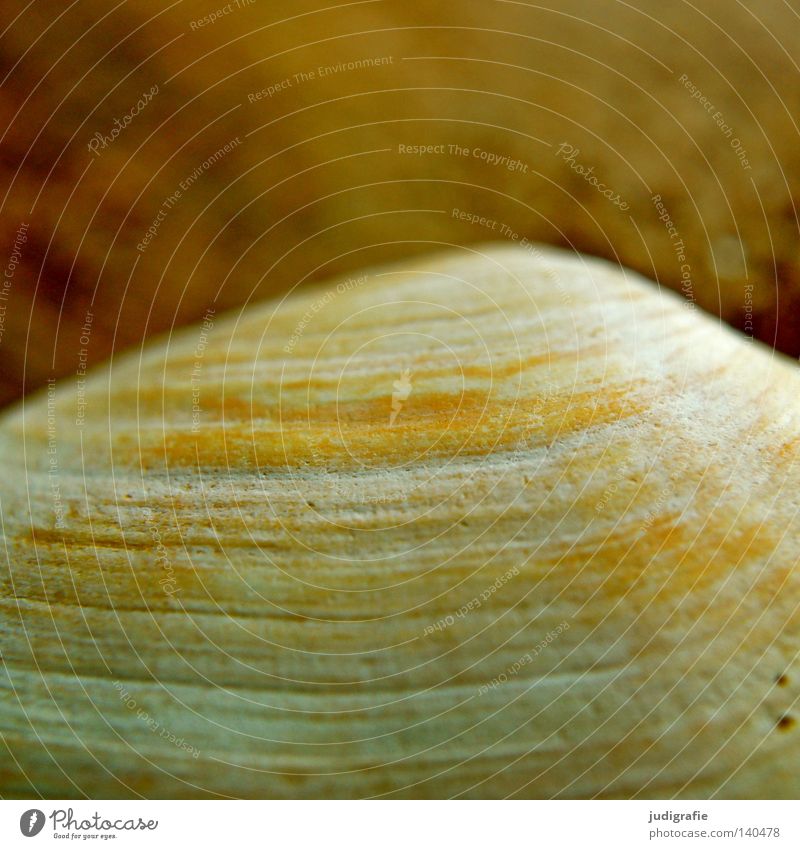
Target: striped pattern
503, 522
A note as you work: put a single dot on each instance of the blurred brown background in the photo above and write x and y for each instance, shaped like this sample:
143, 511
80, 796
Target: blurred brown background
697, 103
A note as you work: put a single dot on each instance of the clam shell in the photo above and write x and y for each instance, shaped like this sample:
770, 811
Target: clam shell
502, 522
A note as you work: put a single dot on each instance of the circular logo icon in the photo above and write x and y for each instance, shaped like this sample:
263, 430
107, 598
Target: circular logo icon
31, 822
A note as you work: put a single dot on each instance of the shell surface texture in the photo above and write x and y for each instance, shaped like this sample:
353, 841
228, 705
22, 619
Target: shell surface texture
501, 522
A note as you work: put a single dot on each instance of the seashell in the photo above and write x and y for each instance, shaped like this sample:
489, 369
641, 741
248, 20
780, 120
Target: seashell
502, 522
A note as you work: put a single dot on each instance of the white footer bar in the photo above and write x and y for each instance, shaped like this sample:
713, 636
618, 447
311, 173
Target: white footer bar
402, 824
